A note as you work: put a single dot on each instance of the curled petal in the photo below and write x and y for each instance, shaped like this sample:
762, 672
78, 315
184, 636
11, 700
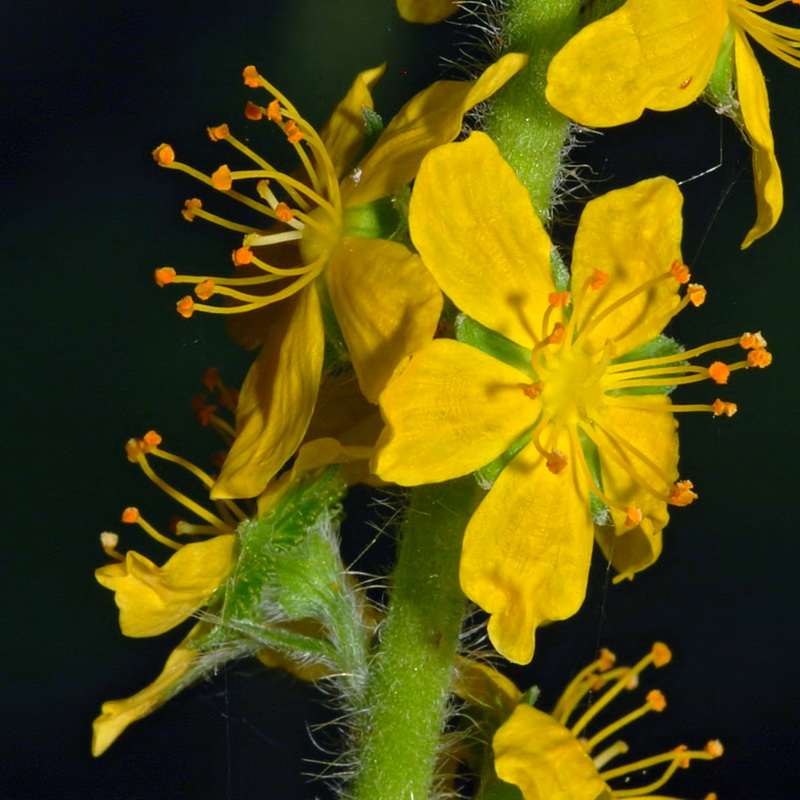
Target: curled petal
633, 235
488, 252
432, 117
277, 398
754, 104
387, 305
542, 758
153, 599
630, 551
647, 54
452, 410
526, 551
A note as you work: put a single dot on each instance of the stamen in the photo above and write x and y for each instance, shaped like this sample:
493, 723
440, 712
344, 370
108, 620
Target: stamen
109, 542
719, 372
164, 154
222, 179
680, 272
749, 341
720, 407
131, 516
759, 358
533, 390
253, 112
218, 133
617, 749
164, 275
190, 209
567, 702
559, 299
682, 494
633, 517
556, 462
696, 294
655, 702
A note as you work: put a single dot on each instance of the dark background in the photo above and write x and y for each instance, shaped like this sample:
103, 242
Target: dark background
96, 354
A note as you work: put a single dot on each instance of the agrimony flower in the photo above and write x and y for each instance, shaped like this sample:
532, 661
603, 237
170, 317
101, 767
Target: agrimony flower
313, 242
660, 54
579, 394
549, 756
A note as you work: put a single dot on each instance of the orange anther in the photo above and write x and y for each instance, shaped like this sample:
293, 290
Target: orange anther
251, 77
633, 517
697, 294
190, 209
559, 299
682, 494
108, 540
656, 700
164, 154
713, 795
719, 372
752, 340
218, 132
680, 272
292, 131
557, 335
759, 358
598, 280
683, 762
202, 410
164, 275
222, 179
211, 378
661, 653
607, 660
685, 84
242, 256
253, 112
205, 289
556, 462
130, 514
185, 306
152, 439
133, 450
721, 407
274, 112
533, 390
714, 748
283, 212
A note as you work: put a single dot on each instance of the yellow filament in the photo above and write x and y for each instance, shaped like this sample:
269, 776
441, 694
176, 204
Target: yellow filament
610, 694
159, 537
676, 757
684, 355
281, 272
616, 749
565, 704
642, 406
568, 703
180, 497
602, 496
615, 726
226, 223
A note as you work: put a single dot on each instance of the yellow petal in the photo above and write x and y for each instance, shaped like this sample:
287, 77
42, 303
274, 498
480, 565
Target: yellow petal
634, 235
526, 551
432, 117
654, 434
648, 54
754, 103
631, 551
482, 686
474, 226
542, 758
427, 11
387, 305
277, 398
116, 715
154, 599
452, 410
343, 134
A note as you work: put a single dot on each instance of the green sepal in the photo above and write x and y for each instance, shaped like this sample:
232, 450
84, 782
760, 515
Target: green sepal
720, 90
487, 475
373, 127
470, 332
561, 276
376, 220
592, 455
661, 345
531, 697
337, 357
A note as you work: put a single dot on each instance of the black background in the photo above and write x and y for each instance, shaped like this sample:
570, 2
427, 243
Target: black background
96, 354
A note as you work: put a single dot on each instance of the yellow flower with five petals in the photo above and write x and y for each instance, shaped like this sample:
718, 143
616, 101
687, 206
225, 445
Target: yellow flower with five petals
660, 55
588, 412
384, 300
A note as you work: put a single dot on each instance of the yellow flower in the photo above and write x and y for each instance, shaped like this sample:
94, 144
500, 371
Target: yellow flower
426, 11
583, 402
153, 599
660, 54
550, 759
385, 302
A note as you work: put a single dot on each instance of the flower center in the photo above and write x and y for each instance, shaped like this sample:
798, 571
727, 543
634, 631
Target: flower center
579, 382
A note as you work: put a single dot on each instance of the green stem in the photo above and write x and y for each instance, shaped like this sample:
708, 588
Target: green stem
529, 132
408, 690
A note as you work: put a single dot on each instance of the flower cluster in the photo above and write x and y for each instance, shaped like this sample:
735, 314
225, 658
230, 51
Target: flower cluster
417, 325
